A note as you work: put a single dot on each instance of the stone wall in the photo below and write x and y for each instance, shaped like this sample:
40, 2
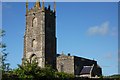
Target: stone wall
74, 65
65, 64
40, 36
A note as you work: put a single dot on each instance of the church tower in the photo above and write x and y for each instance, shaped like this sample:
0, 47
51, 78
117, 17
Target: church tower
40, 35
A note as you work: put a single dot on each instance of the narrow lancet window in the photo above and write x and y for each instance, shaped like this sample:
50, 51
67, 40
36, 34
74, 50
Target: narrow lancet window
34, 43
34, 22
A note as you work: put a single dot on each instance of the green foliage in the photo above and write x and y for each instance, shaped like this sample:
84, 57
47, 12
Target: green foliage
27, 70
63, 75
48, 72
113, 76
32, 70
2, 32
4, 66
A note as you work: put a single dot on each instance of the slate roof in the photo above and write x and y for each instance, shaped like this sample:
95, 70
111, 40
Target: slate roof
86, 70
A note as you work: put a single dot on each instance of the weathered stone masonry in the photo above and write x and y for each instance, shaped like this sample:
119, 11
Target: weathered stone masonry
40, 35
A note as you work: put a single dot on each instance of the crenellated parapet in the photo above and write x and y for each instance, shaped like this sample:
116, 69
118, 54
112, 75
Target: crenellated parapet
38, 8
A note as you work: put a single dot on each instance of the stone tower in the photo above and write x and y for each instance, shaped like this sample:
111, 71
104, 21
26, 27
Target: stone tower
40, 35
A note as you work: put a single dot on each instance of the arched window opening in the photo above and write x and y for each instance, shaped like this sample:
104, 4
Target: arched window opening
33, 58
34, 43
34, 22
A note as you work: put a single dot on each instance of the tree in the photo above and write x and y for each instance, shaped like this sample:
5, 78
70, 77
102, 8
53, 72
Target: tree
64, 76
3, 54
32, 71
27, 70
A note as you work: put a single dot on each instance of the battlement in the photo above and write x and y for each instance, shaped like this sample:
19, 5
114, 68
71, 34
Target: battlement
38, 8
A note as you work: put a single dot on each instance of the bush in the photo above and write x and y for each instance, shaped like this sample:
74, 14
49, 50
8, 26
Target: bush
63, 75
32, 71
